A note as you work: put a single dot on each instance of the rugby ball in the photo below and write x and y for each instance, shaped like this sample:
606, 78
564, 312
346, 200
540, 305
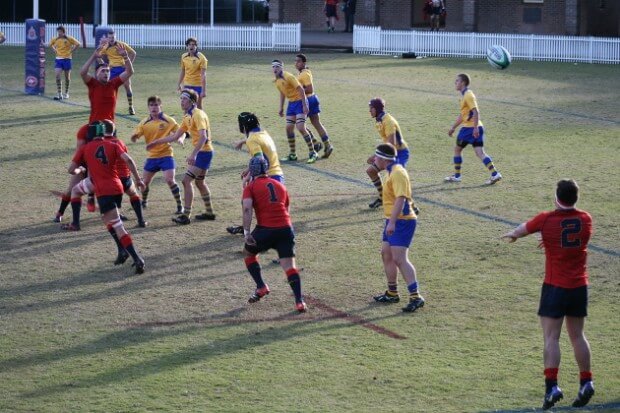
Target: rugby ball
498, 57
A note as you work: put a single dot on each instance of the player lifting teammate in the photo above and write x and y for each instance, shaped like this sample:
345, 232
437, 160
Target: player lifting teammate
111, 48
196, 123
269, 199
100, 157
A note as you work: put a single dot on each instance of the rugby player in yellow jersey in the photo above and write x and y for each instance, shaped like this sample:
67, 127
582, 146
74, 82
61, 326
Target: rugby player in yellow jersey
158, 125
296, 111
400, 224
117, 64
389, 130
64, 46
260, 144
472, 132
196, 123
193, 70
314, 106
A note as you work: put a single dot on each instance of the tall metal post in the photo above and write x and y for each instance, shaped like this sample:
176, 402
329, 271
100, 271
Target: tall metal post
104, 12
35, 9
212, 12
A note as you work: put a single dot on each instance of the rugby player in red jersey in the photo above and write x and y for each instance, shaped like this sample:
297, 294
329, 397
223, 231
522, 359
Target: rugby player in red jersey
85, 186
269, 199
565, 236
100, 157
102, 94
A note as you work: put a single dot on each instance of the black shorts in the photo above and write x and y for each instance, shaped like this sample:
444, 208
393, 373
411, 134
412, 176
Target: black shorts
109, 202
557, 302
280, 239
330, 10
127, 182
463, 143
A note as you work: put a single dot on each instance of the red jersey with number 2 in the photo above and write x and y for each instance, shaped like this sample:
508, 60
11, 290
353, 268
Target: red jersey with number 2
270, 201
565, 237
100, 157
102, 98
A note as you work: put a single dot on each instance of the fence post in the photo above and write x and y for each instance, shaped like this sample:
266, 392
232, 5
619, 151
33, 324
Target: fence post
531, 47
472, 42
590, 51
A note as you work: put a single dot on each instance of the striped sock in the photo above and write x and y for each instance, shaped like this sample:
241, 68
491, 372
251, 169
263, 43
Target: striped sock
291, 144
458, 161
392, 288
127, 243
176, 193
326, 141
207, 200
294, 281
551, 379
308, 139
187, 211
145, 194
488, 162
254, 269
584, 377
379, 185
413, 290
58, 85
115, 237
130, 99
67, 82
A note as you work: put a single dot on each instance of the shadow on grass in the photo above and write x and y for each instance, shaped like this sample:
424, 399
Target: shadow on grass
38, 155
613, 406
47, 119
301, 325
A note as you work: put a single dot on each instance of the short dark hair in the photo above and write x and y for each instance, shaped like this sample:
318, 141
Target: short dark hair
191, 39
100, 65
247, 121
377, 103
302, 57
465, 78
567, 192
61, 27
155, 99
108, 126
387, 149
111, 31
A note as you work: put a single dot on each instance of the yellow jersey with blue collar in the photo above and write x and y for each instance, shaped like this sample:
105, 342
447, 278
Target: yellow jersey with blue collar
398, 185
305, 79
193, 66
288, 85
386, 125
63, 46
115, 59
194, 121
153, 129
468, 104
260, 143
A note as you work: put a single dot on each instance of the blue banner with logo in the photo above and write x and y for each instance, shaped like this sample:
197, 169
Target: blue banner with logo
35, 57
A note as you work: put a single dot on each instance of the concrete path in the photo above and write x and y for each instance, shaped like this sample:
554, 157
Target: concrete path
321, 39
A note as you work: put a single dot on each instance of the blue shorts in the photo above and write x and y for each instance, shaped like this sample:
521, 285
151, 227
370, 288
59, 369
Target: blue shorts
278, 178
557, 302
466, 137
295, 108
402, 156
198, 89
203, 160
403, 234
64, 64
115, 71
159, 164
314, 106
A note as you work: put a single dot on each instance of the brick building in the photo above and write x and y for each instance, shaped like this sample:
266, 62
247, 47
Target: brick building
562, 17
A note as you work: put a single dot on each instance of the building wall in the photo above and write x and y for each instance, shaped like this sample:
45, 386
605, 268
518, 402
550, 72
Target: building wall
508, 16
600, 18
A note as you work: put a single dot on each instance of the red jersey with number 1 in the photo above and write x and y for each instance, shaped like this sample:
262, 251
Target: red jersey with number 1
565, 237
100, 157
270, 201
102, 98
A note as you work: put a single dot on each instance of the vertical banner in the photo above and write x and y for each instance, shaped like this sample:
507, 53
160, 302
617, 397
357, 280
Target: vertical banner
35, 57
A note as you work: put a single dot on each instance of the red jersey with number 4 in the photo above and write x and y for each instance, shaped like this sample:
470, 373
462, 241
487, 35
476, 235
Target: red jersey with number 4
270, 202
121, 166
102, 98
565, 237
100, 157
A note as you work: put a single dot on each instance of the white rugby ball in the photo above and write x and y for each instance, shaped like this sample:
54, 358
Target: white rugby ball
498, 57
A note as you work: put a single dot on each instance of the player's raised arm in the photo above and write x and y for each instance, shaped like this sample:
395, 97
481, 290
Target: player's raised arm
170, 138
518, 232
84, 70
122, 51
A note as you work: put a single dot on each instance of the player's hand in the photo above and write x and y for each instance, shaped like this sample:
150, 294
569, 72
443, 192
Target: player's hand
476, 133
509, 237
203, 93
370, 160
180, 88
141, 185
239, 144
134, 138
181, 140
249, 239
306, 110
191, 159
121, 50
450, 132
390, 228
281, 112
152, 144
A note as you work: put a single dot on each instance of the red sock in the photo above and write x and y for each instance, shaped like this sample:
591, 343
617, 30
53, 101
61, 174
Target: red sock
584, 377
126, 241
551, 374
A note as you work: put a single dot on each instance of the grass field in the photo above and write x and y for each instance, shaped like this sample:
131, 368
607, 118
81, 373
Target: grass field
78, 334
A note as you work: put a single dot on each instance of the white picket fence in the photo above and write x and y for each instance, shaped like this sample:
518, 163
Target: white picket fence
374, 40
281, 37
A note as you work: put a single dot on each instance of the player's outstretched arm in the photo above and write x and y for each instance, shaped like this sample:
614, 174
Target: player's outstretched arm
134, 170
516, 233
170, 138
